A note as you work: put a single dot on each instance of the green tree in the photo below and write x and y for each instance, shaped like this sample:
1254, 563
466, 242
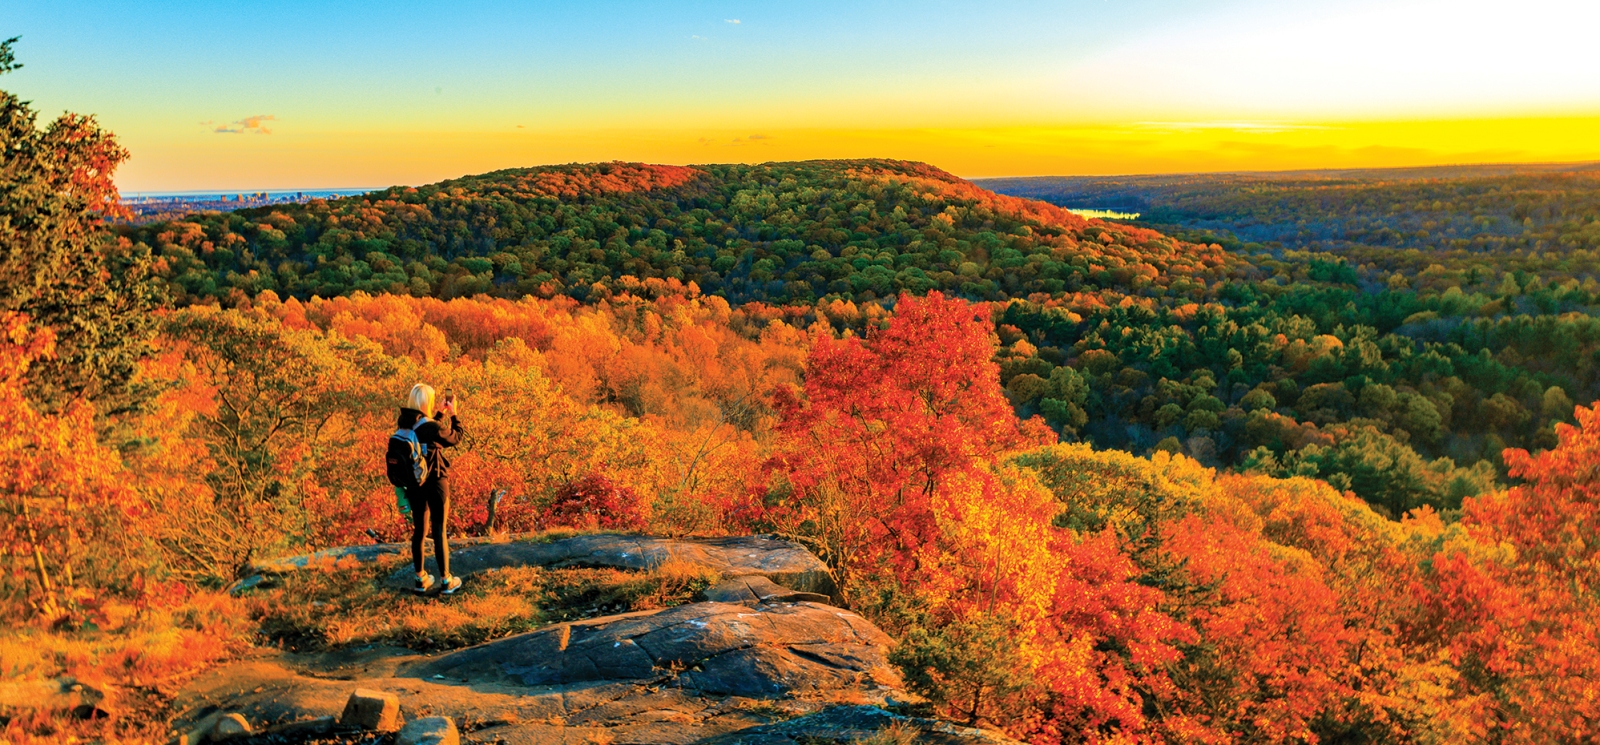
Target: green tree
58, 263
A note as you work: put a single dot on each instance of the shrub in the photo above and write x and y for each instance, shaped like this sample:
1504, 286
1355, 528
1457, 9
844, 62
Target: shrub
594, 502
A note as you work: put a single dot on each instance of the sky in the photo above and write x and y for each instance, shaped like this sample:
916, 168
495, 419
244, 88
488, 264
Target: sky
271, 95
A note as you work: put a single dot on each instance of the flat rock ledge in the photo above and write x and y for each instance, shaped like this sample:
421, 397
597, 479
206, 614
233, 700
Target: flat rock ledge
764, 659
679, 675
716, 649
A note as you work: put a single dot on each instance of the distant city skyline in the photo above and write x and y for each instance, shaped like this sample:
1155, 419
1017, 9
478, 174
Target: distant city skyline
154, 193
208, 96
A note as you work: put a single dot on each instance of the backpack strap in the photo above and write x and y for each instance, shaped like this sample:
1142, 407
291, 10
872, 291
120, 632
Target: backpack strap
421, 420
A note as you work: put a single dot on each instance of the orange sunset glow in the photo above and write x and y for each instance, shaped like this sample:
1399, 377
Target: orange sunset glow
1019, 89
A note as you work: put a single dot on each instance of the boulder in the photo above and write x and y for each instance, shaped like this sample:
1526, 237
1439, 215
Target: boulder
376, 711
56, 695
429, 731
229, 727
716, 649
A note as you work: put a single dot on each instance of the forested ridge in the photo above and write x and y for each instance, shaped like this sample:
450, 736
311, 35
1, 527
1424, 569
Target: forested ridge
1482, 208
778, 233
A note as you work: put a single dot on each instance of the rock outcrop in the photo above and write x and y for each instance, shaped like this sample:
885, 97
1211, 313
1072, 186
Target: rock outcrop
763, 659
785, 563
717, 649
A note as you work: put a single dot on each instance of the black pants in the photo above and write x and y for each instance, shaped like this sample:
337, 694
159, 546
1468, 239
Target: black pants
431, 500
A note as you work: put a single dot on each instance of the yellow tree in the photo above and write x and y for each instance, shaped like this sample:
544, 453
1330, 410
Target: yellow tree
272, 401
60, 489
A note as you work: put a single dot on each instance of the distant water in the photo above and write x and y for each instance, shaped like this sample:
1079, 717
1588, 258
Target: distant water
1104, 214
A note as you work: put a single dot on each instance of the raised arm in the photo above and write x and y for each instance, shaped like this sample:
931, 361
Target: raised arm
449, 430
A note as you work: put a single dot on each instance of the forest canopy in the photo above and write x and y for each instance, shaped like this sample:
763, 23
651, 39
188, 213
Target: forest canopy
1365, 366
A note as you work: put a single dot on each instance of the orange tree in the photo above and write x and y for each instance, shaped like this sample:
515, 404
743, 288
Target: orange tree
62, 494
1515, 608
883, 424
892, 459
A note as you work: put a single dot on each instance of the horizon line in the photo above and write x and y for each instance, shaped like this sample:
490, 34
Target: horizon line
352, 190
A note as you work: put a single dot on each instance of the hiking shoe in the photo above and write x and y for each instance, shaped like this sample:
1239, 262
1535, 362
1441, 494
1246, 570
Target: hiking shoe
424, 582
451, 584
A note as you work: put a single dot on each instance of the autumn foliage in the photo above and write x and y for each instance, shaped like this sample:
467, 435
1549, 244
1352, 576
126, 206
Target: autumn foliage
903, 371
64, 507
1058, 592
594, 502
1328, 591
1516, 609
885, 427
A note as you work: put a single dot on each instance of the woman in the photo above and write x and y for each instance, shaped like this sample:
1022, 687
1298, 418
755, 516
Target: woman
430, 503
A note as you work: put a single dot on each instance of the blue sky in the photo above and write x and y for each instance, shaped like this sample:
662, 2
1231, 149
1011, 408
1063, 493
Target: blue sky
302, 94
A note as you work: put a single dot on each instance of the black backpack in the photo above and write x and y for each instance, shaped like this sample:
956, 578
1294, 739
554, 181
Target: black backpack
407, 458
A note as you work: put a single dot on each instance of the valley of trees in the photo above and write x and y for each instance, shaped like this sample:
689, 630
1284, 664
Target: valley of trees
1101, 484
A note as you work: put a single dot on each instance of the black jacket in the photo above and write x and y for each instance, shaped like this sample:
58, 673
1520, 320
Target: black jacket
440, 432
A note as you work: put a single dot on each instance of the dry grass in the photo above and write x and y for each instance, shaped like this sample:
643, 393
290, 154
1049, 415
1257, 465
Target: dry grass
898, 733
340, 606
138, 657
142, 656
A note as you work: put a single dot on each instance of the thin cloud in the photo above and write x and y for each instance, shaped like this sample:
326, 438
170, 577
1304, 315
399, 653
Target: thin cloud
733, 21
252, 124
760, 137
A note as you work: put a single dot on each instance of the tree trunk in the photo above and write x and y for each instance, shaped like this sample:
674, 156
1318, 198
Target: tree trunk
47, 601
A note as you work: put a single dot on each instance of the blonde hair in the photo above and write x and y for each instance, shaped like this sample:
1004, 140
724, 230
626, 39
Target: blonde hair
421, 399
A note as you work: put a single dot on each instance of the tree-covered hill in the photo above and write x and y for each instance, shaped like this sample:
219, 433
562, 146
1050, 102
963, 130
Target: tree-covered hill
781, 232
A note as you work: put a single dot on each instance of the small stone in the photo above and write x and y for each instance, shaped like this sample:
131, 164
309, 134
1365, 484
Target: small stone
201, 729
429, 731
376, 711
230, 726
